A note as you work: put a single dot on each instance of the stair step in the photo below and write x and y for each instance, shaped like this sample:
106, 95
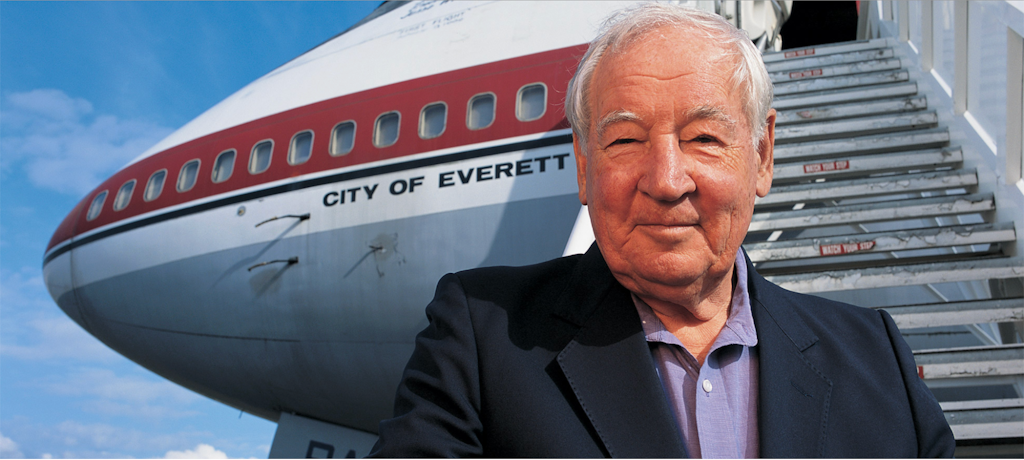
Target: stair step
871, 212
827, 49
864, 188
844, 96
837, 70
801, 63
855, 127
817, 61
857, 109
983, 361
881, 242
861, 145
867, 164
985, 419
905, 275
957, 313
845, 81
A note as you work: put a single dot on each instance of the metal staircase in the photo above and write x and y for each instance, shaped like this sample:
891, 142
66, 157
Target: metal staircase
873, 205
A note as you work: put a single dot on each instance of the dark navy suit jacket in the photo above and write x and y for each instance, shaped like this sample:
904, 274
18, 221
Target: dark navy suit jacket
550, 360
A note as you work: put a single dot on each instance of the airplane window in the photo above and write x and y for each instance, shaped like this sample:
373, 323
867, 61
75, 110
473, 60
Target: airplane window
301, 148
433, 118
155, 185
481, 111
532, 102
96, 206
187, 176
385, 130
223, 166
259, 160
343, 138
124, 195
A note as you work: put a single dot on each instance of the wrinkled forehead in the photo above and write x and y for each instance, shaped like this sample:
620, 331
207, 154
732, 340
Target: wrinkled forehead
663, 56
671, 36
668, 52
664, 53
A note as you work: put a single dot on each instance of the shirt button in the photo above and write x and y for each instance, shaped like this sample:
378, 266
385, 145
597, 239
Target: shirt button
707, 386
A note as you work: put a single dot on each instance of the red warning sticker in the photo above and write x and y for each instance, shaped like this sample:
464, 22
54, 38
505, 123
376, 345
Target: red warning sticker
825, 167
805, 74
798, 53
846, 248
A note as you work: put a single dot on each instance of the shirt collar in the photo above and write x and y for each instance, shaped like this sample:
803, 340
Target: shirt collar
739, 327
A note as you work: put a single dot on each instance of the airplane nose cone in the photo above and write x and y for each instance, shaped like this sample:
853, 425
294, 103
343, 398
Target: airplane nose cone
57, 266
57, 276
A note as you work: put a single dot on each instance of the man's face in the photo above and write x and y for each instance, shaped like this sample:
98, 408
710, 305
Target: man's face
671, 173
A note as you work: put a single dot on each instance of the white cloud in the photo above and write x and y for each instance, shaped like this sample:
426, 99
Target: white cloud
75, 439
136, 396
34, 329
201, 451
9, 448
61, 144
55, 338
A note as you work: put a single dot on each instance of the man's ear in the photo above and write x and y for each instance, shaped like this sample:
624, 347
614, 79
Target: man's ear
581, 167
766, 156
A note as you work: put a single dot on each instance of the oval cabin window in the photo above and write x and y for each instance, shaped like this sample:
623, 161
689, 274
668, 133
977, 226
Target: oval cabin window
96, 206
259, 160
124, 195
481, 111
433, 118
343, 137
532, 102
223, 166
301, 148
155, 185
385, 130
187, 176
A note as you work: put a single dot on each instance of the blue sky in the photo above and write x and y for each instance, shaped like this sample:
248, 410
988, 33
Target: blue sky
84, 88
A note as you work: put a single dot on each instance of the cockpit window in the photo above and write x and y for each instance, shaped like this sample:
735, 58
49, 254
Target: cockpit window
155, 185
532, 102
187, 176
124, 195
259, 160
301, 148
96, 206
481, 111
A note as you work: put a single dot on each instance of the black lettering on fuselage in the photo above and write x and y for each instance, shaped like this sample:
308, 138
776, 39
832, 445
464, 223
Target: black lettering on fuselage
349, 195
501, 168
481, 175
543, 162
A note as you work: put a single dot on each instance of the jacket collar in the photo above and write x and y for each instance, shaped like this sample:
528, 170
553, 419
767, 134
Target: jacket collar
793, 394
608, 366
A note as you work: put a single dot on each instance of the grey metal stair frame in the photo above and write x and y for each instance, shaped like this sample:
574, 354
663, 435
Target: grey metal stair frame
869, 194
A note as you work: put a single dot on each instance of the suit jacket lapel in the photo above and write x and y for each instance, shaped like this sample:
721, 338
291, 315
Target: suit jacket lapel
794, 395
609, 367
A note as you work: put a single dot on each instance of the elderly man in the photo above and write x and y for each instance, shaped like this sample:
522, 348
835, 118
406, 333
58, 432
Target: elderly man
661, 340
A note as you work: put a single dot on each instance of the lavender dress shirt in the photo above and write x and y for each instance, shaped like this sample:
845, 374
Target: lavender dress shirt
715, 404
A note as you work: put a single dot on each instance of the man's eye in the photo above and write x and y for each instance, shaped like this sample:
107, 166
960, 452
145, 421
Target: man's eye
622, 141
705, 139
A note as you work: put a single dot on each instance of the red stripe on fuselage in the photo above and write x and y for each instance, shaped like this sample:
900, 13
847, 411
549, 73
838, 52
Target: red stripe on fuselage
504, 79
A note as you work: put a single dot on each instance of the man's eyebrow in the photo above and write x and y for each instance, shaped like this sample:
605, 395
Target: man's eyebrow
615, 117
710, 112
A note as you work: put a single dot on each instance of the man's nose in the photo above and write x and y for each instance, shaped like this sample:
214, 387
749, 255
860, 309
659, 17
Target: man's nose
666, 176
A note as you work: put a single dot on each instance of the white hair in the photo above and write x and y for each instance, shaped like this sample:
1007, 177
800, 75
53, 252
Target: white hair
749, 78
